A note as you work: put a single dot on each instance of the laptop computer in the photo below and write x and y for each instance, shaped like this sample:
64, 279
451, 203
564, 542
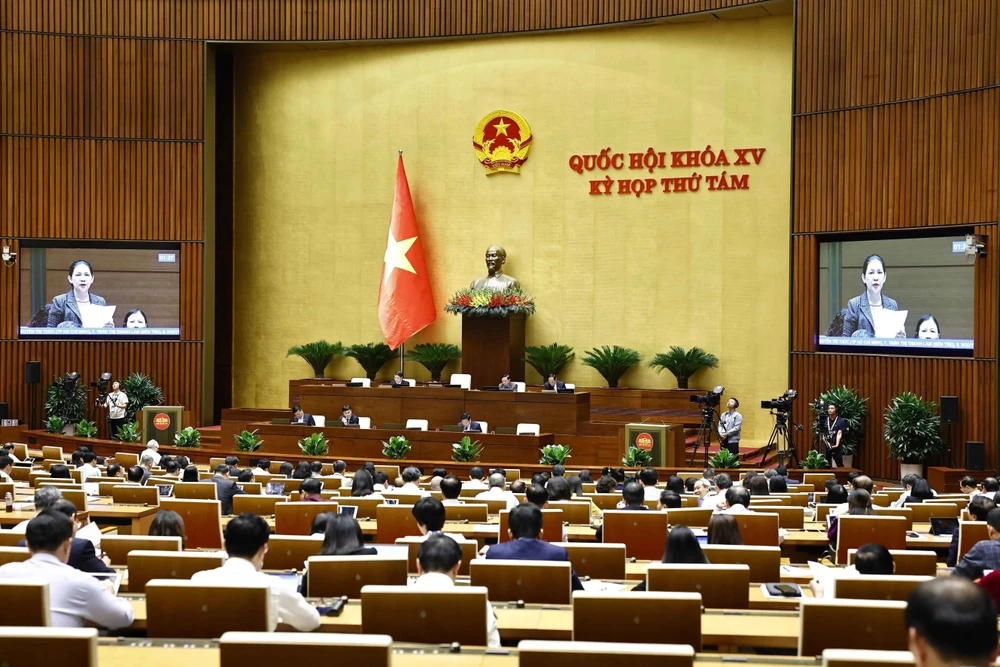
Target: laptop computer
352, 510
491, 387
942, 525
274, 489
451, 427
281, 420
165, 489
566, 391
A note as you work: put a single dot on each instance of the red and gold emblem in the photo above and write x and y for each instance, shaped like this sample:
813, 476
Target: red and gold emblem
644, 441
501, 141
161, 421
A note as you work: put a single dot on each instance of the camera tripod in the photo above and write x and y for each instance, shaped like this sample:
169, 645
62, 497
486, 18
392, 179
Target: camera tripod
705, 431
781, 440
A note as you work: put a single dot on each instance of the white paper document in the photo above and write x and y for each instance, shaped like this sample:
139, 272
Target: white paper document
889, 322
95, 317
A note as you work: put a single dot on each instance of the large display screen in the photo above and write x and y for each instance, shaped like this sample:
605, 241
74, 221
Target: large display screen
99, 292
907, 295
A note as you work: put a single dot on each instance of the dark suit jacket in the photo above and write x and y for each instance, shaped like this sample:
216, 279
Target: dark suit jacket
306, 419
858, 322
82, 556
225, 490
473, 426
63, 312
528, 549
353, 420
559, 385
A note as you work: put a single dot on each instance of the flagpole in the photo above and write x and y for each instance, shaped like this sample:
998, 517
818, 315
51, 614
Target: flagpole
402, 346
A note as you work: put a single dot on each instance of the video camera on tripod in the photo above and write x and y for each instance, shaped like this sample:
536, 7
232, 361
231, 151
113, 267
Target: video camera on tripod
711, 399
709, 402
103, 387
781, 404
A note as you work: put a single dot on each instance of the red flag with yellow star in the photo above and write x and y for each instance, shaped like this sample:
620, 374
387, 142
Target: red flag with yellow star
405, 302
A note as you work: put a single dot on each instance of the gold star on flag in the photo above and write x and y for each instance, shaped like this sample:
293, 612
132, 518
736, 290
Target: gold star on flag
501, 128
395, 255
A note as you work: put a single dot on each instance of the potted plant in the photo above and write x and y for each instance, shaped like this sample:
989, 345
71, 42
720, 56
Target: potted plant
187, 437
554, 454
66, 398
318, 354
314, 445
612, 362
397, 448
247, 441
434, 357
466, 450
86, 429
724, 460
129, 432
142, 392
912, 432
54, 424
548, 359
852, 408
684, 363
371, 356
637, 458
814, 461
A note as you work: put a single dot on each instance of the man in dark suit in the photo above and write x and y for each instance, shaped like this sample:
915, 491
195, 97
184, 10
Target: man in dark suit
633, 496
468, 425
552, 384
300, 417
398, 381
225, 488
348, 417
82, 555
525, 532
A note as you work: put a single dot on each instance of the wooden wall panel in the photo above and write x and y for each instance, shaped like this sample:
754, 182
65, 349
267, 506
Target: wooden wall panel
879, 378
919, 164
92, 87
861, 52
805, 292
192, 286
331, 19
175, 367
80, 188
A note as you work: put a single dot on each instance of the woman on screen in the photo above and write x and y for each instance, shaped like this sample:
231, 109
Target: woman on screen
863, 310
927, 328
135, 319
67, 309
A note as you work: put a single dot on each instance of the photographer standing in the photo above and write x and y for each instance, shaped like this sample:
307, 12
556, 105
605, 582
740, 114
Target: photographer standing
116, 402
730, 425
835, 428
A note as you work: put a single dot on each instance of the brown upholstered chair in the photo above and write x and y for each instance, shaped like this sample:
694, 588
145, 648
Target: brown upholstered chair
335, 576
542, 582
144, 566
118, 547
66, 647
297, 518
597, 560
426, 617
239, 649
720, 586
178, 608
290, 552
202, 521
644, 534
652, 617
764, 562
859, 624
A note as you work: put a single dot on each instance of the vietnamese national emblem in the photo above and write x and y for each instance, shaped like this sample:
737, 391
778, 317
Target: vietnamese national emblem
501, 142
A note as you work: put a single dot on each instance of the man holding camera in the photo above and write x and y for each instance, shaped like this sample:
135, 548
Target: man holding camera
730, 425
116, 402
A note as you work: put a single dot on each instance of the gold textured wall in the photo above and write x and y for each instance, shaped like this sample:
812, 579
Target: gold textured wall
317, 133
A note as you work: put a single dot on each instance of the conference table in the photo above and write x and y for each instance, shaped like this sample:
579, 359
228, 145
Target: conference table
128, 519
442, 405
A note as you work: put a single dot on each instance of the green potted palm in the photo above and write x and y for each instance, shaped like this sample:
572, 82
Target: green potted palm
684, 363
852, 408
314, 445
814, 461
637, 458
434, 357
187, 437
86, 429
371, 356
548, 359
317, 354
65, 398
554, 454
397, 448
247, 441
142, 392
129, 432
912, 432
612, 362
466, 451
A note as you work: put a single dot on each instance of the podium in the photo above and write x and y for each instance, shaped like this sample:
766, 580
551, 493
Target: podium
161, 423
491, 347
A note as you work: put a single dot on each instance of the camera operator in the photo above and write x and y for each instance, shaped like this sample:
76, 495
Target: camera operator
116, 403
730, 425
835, 427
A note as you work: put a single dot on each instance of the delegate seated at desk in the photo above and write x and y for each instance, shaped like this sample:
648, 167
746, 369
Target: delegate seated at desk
347, 417
553, 384
300, 417
468, 425
398, 381
506, 384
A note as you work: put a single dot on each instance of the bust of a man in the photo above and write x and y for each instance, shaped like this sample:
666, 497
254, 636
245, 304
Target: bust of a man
496, 257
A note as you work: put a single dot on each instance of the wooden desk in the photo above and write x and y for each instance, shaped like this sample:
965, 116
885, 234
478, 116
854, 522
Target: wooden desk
129, 519
753, 629
198, 654
556, 413
818, 539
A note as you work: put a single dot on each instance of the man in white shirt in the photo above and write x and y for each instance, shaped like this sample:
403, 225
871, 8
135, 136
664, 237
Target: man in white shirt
75, 598
116, 402
151, 451
967, 486
89, 469
411, 481
246, 544
497, 490
430, 515
8, 450
6, 466
647, 478
737, 501
438, 561
475, 479
451, 489
703, 489
990, 487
